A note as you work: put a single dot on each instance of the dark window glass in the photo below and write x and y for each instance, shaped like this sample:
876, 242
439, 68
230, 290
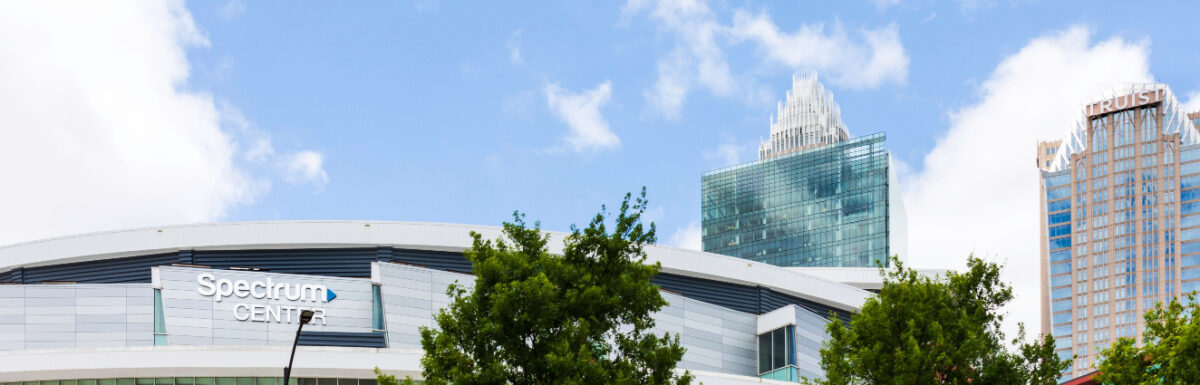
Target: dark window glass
778, 352
764, 353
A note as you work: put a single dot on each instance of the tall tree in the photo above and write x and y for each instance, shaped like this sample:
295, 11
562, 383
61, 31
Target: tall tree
943, 330
1169, 353
537, 318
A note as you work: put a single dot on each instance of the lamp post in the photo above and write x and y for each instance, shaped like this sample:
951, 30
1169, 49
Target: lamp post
305, 316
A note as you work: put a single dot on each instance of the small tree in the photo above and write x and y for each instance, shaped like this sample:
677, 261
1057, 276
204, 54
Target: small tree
1169, 353
921, 330
537, 318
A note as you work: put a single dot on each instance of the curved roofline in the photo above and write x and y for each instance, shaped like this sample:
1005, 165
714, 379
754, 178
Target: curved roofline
410, 235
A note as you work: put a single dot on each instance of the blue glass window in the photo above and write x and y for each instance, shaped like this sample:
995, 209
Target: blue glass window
377, 321
1059, 268
1189, 221
1061, 330
1187, 195
1189, 234
1188, 287
1189, 181
1189, 154
1058, 180
1062, 318
1058, 193
1063, 217
1061, 255
1189, 260
1189, 208
1189, 247
1060, 280
1190, 168
1058, 205
160, 321
1058, 243
1189, 274
1058, 231
1059, 293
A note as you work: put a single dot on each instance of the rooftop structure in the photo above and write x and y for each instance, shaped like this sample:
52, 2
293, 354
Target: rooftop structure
808, 117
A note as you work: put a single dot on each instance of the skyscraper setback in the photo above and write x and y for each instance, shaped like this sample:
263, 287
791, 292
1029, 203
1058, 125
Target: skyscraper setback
815, 197
1120, 213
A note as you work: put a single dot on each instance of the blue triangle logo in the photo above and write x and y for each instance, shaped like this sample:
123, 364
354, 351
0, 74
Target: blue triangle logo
329, 295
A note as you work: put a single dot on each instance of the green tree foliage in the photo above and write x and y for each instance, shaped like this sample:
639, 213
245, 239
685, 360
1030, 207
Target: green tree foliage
1169, 354
537, 318
945, 330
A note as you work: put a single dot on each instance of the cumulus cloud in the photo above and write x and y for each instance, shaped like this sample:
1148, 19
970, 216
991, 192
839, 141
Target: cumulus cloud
687, 237
581, 112
865, 59
977, 189
305, 167
1192, 102
99, 130
697, 59
882, 59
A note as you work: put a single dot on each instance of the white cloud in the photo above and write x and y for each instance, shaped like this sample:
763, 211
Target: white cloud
687, 237
875, 57
881, 60
581, 112
231, 9
726, 154
1193, 101
99, 131
977, 190
697, 58
514, 47
305, 167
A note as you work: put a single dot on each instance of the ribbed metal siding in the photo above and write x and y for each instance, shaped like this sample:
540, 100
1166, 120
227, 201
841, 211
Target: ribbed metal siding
355, 263
770, 300
13, 276
437, 260
119, 270
733, 296
355, 340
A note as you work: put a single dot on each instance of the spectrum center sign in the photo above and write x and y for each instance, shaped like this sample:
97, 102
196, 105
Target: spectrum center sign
284, 295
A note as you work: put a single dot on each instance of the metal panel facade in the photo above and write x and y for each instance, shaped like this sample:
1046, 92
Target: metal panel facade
74, 315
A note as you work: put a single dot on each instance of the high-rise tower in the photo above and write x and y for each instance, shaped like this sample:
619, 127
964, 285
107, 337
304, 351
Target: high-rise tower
1120, 219
815, 197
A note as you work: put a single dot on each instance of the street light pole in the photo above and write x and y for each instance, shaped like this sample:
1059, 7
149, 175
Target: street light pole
305, 316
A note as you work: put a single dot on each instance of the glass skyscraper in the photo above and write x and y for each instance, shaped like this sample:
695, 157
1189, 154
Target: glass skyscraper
815, 198
1120, 228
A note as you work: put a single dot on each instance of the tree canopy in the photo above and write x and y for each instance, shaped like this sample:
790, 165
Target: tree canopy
940, 330
1169, 353
533, 317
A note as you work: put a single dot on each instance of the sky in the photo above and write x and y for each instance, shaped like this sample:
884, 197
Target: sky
132, 114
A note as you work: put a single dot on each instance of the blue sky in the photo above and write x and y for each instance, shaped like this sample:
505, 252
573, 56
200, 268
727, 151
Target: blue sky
422, 115
121, 115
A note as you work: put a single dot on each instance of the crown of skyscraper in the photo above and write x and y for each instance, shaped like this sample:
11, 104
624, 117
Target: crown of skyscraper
1174, 119
808, 117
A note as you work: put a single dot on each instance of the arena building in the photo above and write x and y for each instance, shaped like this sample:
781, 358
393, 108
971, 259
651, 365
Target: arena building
217, 304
